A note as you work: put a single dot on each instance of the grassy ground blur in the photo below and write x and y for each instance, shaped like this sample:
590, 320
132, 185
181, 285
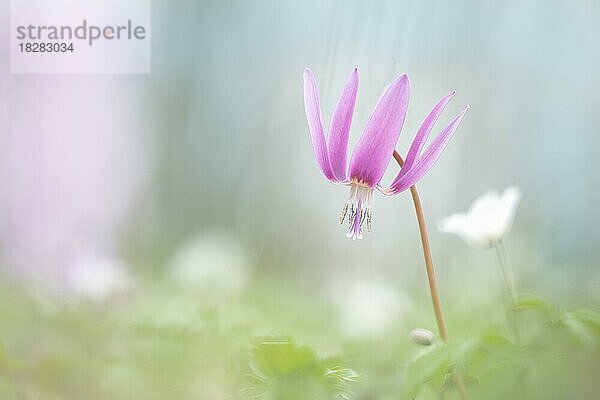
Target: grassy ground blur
278, 339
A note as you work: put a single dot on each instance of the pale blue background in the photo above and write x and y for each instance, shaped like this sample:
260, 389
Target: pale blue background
221, 139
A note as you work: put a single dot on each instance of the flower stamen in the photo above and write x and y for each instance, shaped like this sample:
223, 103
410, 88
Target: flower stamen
344, 212
358, 209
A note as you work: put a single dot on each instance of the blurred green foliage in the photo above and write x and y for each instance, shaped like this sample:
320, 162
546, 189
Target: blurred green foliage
164, 342
283, 370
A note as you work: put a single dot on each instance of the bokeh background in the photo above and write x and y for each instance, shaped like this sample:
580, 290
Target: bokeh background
184, 211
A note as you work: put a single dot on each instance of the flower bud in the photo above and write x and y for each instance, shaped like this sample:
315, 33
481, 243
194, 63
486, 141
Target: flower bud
421, 336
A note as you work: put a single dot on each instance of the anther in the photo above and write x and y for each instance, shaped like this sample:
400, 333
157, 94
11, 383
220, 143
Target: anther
344, 212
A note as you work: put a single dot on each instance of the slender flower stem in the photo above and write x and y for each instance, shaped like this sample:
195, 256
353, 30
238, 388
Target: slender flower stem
508, 291
435, 295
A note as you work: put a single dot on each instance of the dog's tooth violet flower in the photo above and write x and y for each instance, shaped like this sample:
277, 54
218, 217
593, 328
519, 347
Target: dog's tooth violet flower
375, 147
488, 220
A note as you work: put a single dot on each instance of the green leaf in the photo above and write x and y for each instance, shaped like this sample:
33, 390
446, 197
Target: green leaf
281, 369
534, 303
280, 357
343, 374
495, 354
588, 316
431, 365
584, 324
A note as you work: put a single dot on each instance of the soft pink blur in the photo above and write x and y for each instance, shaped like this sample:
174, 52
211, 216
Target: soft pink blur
70, 170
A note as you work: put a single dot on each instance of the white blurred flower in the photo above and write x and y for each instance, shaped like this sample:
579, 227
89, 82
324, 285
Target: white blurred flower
489, 219
214, 262
367, 308
421, 336
97, 277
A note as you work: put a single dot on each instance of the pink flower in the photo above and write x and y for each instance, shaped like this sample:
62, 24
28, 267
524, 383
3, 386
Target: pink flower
375, 147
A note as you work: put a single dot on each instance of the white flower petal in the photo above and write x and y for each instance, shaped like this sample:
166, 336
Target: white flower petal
488, 220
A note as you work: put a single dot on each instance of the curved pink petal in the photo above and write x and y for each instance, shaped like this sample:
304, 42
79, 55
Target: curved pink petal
429, 157
376, 145
423, 134
315, 125
339, 128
